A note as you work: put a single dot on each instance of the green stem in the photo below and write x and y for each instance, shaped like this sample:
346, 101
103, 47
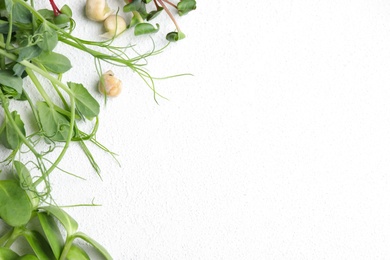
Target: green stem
35, 113
2, 58
6, 236
9, 36
39, 87
68, 245
16, 232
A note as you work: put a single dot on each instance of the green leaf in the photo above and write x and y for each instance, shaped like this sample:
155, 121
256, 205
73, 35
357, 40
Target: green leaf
52, 233
85, 103
66, 220
185, 6
47, 14
145, 28
9, 5
26, 182
21, 14
4, 27
154, 14
135, 5
175, 36
15, 206
39, 244
8, 254
54, 125
65, 9
9, 137
8, 79
94, 243
61, 19
49, 37
54, 62
29, 52
77, 253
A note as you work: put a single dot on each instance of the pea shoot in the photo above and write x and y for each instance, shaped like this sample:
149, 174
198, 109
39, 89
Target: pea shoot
28, 41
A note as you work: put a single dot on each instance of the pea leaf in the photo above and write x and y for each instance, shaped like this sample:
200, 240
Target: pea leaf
9, 137
185, 6
175, 36
25, 53
54, 62
145, 28
8, 79
21, 14
29, 52
8, 5
67, 221
39, 244
54, 125
8, 254
77, 253
26, 182
15, 206
47, 14
49, 37
4, 26
85, 103
52, 233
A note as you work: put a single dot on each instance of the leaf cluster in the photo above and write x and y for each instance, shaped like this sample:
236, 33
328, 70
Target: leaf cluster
28, 41
141, 15
19, 208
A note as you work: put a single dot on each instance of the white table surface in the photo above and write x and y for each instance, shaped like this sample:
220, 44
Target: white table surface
277, 148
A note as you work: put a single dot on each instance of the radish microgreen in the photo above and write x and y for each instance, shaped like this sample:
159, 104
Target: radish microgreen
139, 10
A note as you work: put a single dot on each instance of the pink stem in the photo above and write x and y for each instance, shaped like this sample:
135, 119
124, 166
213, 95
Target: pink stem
56, 10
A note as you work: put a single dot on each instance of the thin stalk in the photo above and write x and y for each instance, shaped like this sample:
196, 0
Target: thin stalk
6, 236
169, 14
39, 87
34, 111
68, 245
170, 3
16, 232
9, 35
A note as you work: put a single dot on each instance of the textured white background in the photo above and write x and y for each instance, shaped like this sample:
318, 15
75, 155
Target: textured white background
277, 148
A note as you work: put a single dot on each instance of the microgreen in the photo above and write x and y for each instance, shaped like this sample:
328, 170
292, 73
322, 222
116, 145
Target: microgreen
28, 42
140, 14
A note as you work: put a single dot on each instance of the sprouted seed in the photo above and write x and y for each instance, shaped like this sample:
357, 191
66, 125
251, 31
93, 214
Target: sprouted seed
97, 10
110, 85
113, 26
